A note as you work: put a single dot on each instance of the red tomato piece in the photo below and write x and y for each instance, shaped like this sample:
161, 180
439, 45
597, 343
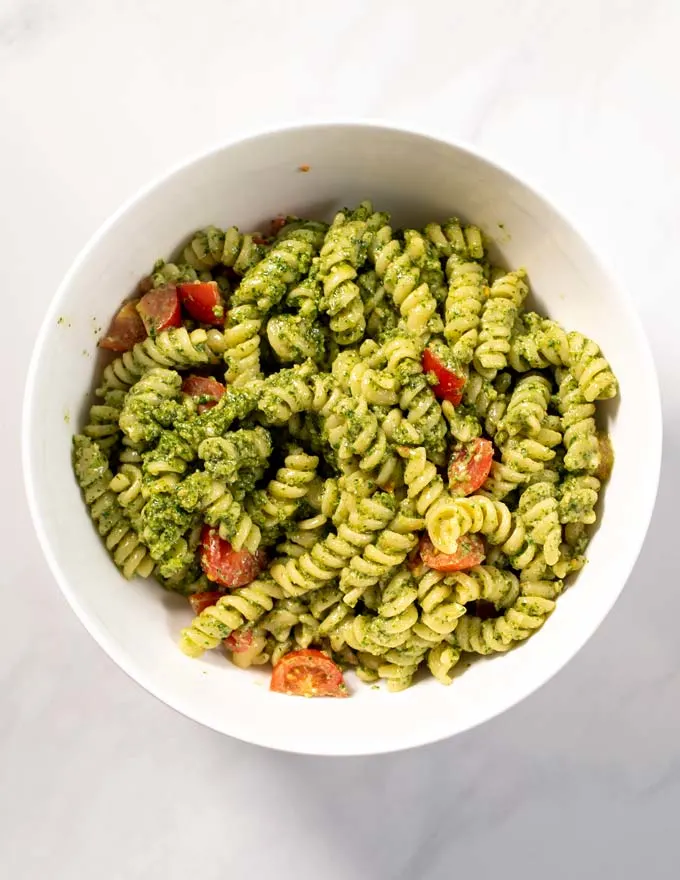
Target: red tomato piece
126, 330
239, 642
226, 566
308, 673
277, 225
470, 465
205, 389
203, 301
470, 552
159, 309
449, 384
200, 601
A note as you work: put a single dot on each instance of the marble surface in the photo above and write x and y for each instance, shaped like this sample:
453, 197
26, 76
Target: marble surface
97, 779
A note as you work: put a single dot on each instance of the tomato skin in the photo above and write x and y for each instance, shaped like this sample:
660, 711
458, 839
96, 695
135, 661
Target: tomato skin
449, 384
470, 466
203, 301
226, 566
277, 225
239, 642
200, 601
126, 329
206, 389
470, 552
159, 309
308, 673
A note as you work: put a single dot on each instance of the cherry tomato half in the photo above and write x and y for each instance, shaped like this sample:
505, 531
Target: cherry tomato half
470, 552
308, 673
470, 465
224, 565
449, 384
159, 309
239, 642
126, 330
200, 601
206, 390
203, 301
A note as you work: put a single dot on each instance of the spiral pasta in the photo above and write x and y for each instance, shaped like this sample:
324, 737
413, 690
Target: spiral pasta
274, 506
450, 518
376, 387
343, 252
144, 410
211, 246
127, 484
200, 492
121, 539
300, 538
440, 608
315, 465
537, 343
246, 604
578, 495
451, 237
175, 348
305, 297
590, 369
238, 457
506, 295
102, 421
391, 548
353, 430
526, 455
528, 406
293, 339
417, 307
527, 614
266, 283
424, 484
538, 508
425, 414
398, 269
242, 345
380, 313
468, 292
485, 401
324, 562
578, 424
164, 273
294, 390
440, 661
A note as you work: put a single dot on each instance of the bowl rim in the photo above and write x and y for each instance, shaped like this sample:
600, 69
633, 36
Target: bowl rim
412, 738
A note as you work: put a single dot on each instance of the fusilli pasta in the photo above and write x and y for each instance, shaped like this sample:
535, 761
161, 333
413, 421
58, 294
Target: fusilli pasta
399, 465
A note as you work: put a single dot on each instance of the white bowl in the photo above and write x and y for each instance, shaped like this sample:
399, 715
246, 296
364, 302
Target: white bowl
418, 178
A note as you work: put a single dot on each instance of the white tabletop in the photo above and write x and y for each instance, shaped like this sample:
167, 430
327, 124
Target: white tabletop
98, 779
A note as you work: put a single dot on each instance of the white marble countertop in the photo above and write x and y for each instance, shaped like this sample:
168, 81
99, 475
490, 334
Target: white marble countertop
97, 779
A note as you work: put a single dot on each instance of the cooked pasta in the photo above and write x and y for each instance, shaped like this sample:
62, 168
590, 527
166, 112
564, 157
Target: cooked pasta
342, 254
450, 518
109, 515
176, 348
468, 292
211, 246
371, 458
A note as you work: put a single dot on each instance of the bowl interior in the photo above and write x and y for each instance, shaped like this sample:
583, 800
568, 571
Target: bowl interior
418, 179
